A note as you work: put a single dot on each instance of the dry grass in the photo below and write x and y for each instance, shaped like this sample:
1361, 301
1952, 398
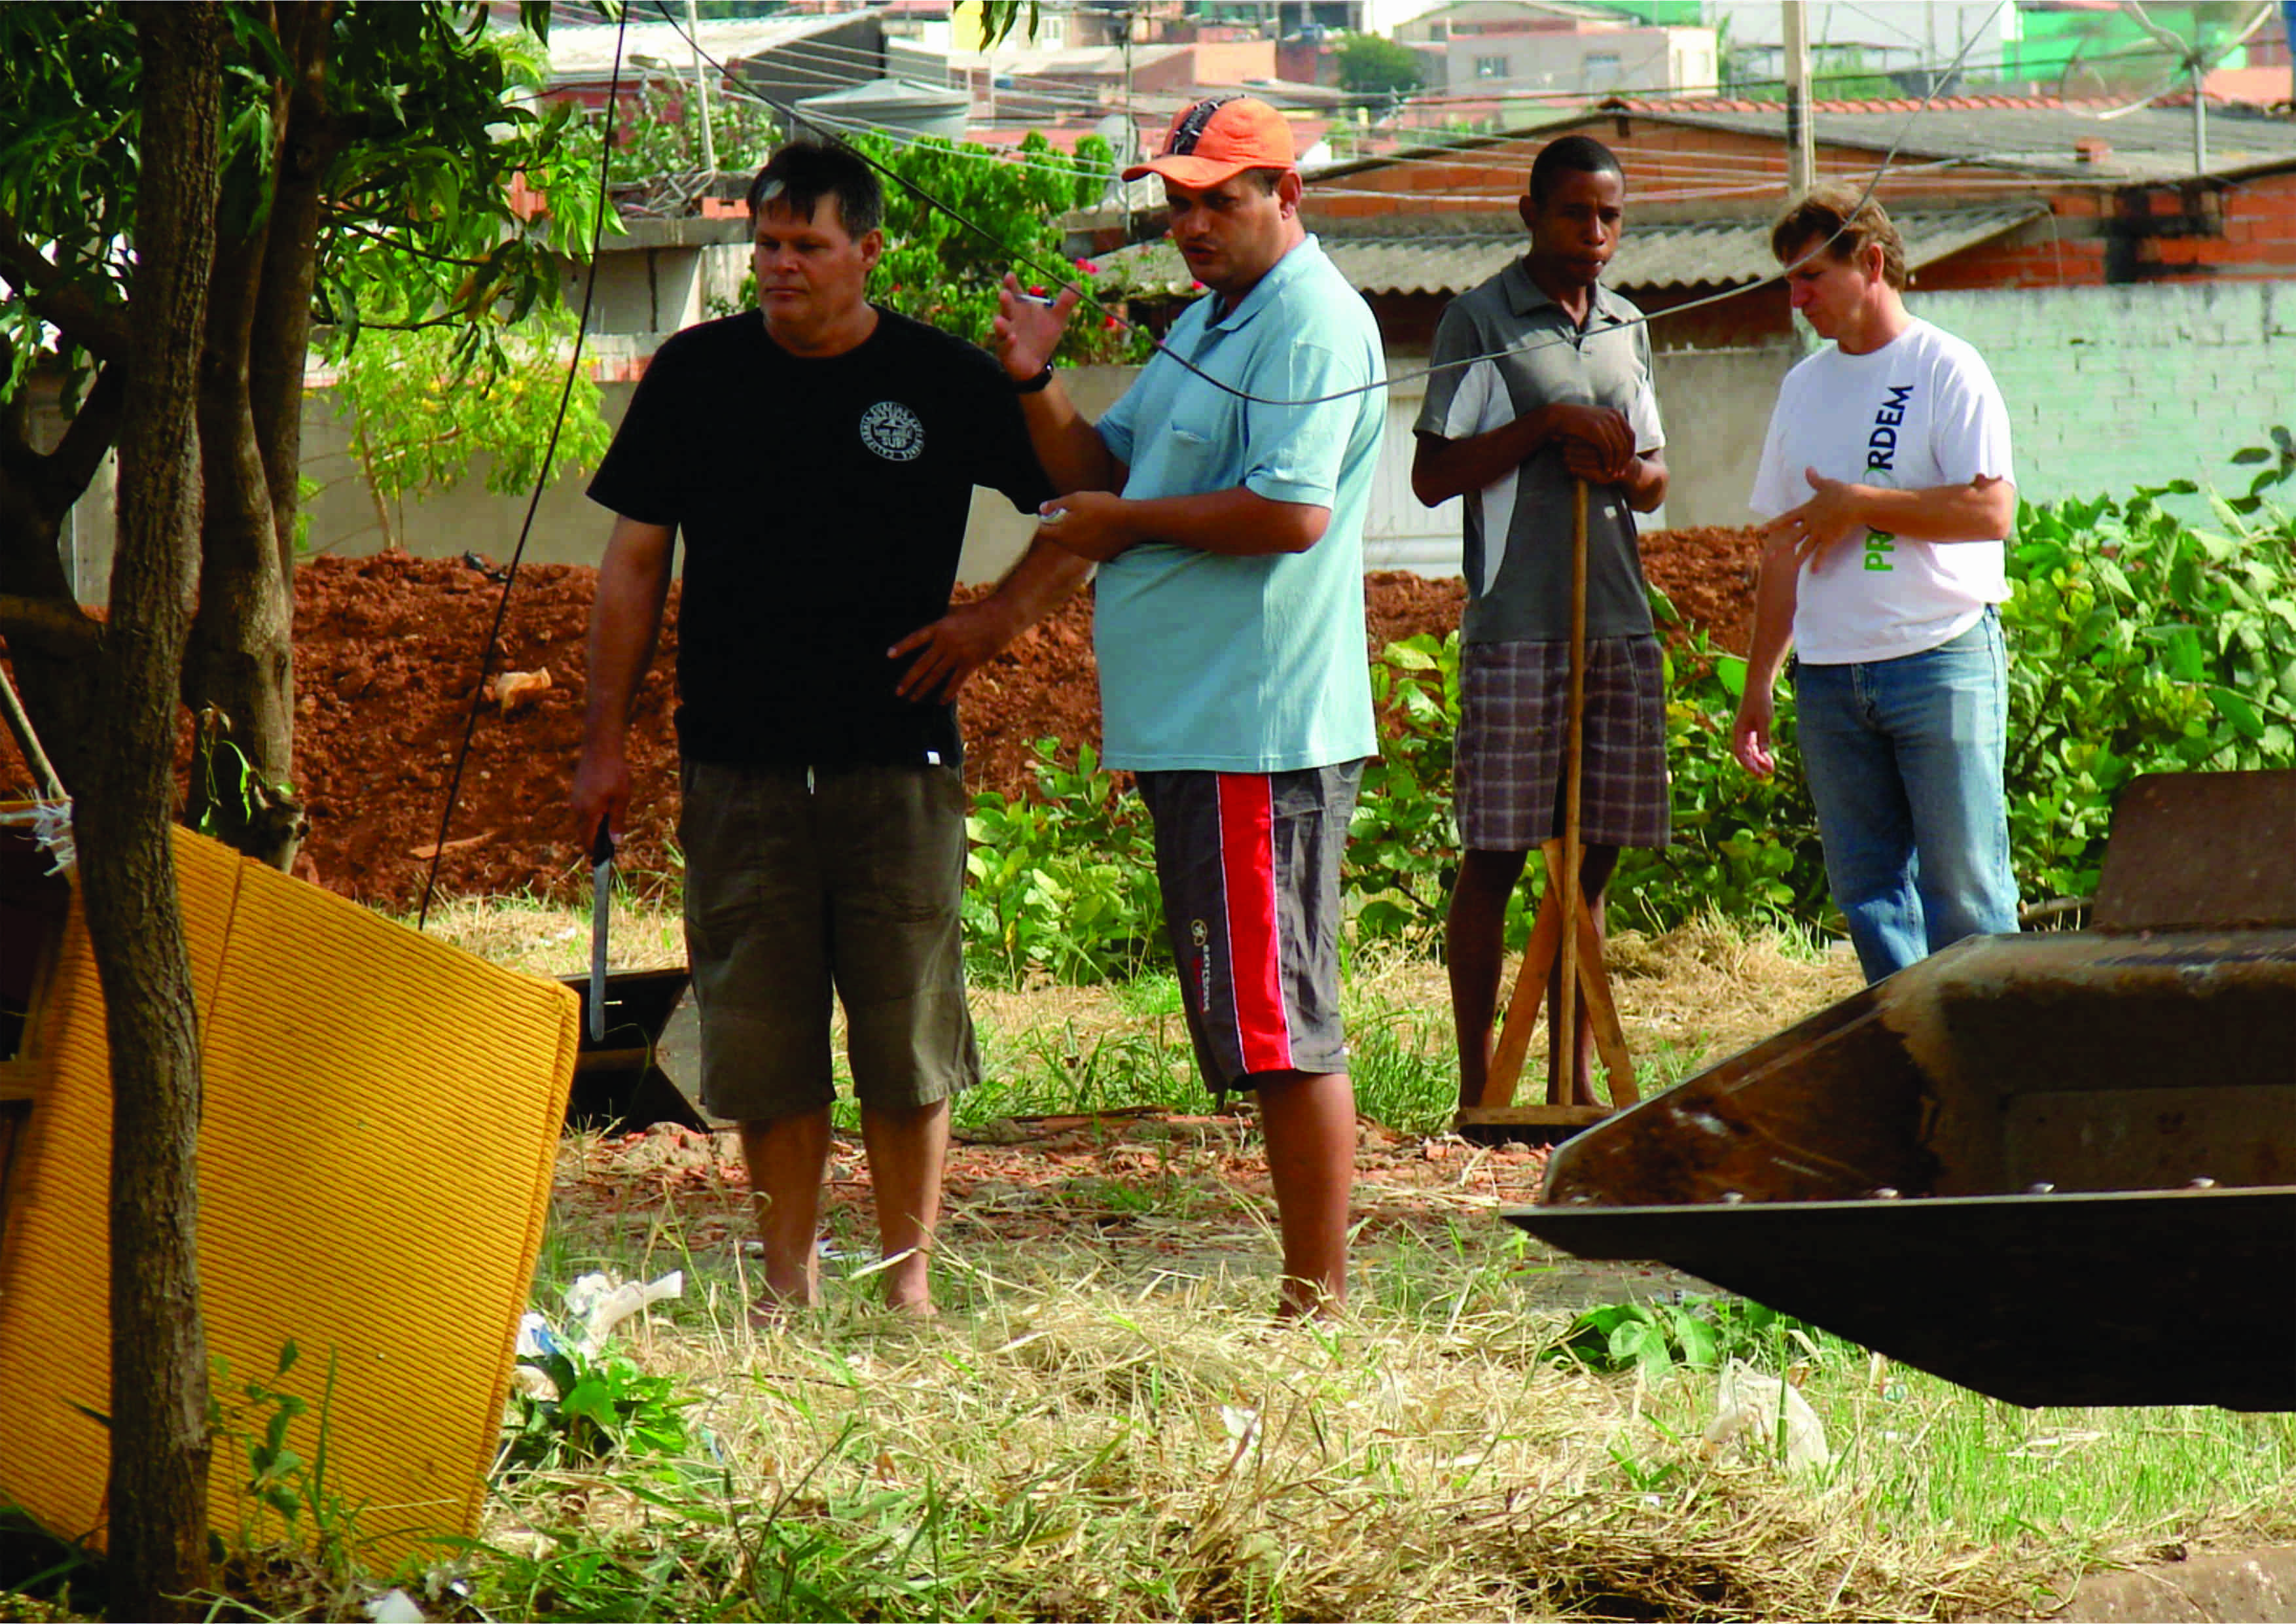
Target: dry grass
1100, 1435
1081, 1447
545, 939
1104, 1431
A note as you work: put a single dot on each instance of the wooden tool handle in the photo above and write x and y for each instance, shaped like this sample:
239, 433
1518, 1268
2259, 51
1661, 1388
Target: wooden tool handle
1562, 1087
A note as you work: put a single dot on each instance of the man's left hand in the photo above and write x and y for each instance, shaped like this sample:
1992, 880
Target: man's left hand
1088, 523
1820, 524
948, 651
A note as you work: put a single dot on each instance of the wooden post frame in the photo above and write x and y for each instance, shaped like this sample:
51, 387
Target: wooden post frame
1576, 949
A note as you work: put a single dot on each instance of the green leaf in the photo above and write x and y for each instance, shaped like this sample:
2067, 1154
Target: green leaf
2236, 710
1700, 1346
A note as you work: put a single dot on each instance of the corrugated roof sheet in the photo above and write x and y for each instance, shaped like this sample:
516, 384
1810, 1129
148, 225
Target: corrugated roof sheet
1448, 254
586, 51
2031, 134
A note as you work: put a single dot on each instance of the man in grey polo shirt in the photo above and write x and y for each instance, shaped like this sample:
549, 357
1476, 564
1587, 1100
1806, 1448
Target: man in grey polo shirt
1546, 381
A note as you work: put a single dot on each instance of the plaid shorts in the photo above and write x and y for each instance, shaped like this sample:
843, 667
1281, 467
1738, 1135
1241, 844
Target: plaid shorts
1514, 709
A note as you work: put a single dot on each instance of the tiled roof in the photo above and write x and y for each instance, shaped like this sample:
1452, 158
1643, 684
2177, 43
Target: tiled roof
2037, 135
1446, 254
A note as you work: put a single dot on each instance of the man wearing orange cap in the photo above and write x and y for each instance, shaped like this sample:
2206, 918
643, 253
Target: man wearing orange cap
1224, 498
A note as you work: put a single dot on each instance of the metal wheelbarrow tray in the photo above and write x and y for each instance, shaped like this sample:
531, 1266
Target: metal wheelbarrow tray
2054, 1168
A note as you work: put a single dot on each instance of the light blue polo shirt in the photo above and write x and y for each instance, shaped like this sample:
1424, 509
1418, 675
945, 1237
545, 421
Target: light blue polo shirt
1247, 665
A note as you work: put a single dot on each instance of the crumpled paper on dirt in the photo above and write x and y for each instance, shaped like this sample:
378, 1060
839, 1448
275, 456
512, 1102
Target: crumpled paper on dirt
1748, 1403
599, 1304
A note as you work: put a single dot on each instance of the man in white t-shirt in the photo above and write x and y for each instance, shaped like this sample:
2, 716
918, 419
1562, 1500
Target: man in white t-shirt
1886, 482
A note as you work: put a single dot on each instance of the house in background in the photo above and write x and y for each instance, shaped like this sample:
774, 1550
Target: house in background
784, 58
2143, 319
1503, 49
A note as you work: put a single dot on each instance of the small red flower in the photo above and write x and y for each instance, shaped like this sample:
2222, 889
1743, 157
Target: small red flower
1110, 323
1088, 267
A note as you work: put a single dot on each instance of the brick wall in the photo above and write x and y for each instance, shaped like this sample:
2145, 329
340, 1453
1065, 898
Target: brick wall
2113, 387
2233, 232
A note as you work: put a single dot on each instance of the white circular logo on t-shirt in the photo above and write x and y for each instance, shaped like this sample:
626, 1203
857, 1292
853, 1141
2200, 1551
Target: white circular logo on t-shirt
893, 431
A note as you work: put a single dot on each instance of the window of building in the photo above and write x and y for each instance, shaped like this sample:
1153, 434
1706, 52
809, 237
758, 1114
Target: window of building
1491, 67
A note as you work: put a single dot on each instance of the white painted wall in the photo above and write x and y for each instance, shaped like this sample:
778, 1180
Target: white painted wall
2108, 388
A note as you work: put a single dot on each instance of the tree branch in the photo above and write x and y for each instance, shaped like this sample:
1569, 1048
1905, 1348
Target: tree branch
99, 328
57, 625
94, 428
343, 221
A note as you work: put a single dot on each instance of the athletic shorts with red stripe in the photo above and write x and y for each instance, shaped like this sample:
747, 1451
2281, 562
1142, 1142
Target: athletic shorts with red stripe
1249, 866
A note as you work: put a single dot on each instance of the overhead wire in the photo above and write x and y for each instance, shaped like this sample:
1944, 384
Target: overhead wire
534, 501
1536, 341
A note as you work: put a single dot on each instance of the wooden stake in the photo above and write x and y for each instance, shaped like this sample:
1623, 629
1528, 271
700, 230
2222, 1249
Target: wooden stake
1561, 1082
1575, 952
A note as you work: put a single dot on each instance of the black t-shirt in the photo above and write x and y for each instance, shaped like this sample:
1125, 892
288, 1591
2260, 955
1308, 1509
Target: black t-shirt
822, 506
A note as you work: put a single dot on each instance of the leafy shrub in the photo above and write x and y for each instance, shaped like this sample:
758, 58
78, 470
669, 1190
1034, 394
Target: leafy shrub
1064, 885
1744, 846
604, 1407
1403, 848
1740, 846
2138, 644
1697, 1333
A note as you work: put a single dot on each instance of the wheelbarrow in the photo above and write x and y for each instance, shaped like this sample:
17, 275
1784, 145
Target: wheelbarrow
2056, 1168
644, 1064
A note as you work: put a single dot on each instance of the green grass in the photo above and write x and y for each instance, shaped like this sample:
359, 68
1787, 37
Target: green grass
1082, 1440
1104, 1425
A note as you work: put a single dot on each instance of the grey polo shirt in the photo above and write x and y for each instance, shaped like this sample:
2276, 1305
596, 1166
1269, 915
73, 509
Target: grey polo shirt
1517, 539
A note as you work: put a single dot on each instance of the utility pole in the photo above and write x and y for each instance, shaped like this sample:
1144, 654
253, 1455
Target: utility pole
2200, 104
701, 92
1802, 158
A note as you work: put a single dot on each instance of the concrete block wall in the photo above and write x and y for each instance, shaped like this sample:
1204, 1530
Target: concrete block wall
2113, 388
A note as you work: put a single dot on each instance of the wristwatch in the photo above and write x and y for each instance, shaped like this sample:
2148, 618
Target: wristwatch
1035, 385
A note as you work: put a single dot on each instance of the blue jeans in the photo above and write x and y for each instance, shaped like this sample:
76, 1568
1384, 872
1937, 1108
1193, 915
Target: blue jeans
1903, 761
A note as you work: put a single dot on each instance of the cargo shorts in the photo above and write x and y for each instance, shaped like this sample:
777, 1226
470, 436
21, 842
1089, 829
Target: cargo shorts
805, 881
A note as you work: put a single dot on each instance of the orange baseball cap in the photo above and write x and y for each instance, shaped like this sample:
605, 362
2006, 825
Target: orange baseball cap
1217, 137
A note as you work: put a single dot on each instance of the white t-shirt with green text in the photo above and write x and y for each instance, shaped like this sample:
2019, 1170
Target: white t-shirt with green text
1922, 411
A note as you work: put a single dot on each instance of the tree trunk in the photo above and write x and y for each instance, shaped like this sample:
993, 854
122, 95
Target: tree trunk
157, 1523
53, 656
239, 669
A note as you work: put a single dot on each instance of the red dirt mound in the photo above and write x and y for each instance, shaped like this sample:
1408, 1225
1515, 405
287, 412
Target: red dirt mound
387, 653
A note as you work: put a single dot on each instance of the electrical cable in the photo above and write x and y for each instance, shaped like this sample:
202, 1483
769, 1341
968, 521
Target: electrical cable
541, 483
1536, 341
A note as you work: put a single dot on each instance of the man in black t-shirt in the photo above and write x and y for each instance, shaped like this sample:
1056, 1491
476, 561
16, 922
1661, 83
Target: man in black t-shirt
818, 454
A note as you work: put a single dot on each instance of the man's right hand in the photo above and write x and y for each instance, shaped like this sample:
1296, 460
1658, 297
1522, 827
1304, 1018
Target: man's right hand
1028, 332
602, 790
1749, 733
1598, 442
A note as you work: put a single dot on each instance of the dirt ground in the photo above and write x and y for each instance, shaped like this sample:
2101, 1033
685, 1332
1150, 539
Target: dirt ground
1143, 1181
386, 651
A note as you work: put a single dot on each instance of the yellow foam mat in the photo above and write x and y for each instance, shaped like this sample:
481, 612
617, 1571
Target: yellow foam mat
380, 1120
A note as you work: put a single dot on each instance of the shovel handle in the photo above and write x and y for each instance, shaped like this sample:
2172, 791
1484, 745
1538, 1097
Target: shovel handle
601, 847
